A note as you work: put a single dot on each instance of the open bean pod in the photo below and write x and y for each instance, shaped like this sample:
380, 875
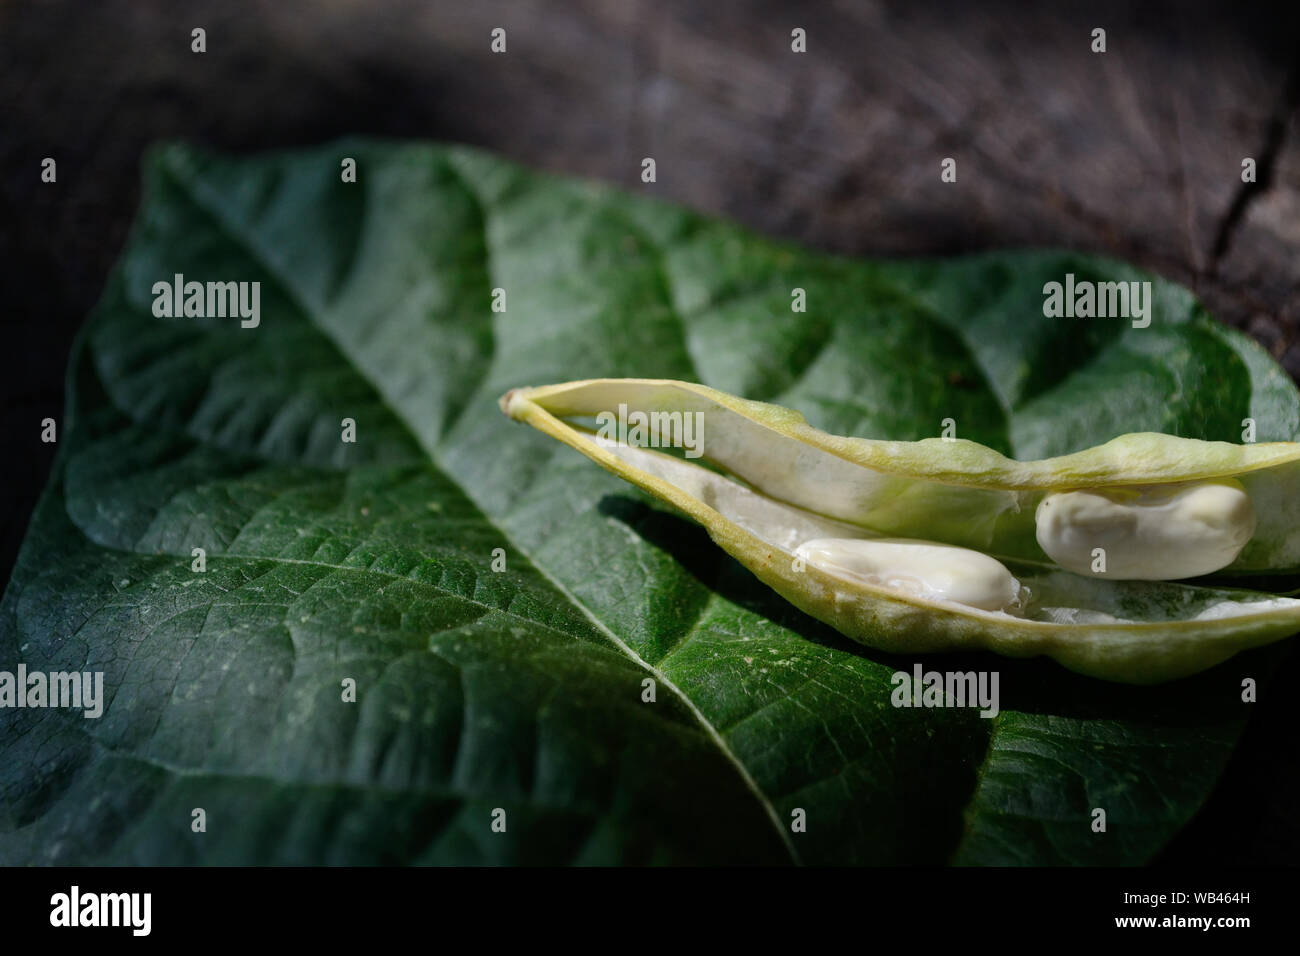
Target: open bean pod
945, 544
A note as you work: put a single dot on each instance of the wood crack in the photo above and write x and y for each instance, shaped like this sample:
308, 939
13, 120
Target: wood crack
1274, 137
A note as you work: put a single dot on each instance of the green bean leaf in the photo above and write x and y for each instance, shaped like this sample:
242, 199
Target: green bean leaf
548, 665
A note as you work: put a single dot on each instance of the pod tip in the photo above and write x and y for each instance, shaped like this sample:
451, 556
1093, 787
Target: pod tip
509, 400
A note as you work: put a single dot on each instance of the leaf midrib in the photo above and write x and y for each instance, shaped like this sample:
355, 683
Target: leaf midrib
234, 231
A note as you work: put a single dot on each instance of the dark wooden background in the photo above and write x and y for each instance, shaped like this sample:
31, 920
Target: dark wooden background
1136, 152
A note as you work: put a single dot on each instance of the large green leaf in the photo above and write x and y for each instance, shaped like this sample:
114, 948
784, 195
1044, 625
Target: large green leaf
523, 689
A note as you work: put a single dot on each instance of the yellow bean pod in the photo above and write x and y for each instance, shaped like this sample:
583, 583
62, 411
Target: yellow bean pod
1073, 557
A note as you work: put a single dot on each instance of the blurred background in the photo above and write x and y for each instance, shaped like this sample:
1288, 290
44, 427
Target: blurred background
1136, 152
